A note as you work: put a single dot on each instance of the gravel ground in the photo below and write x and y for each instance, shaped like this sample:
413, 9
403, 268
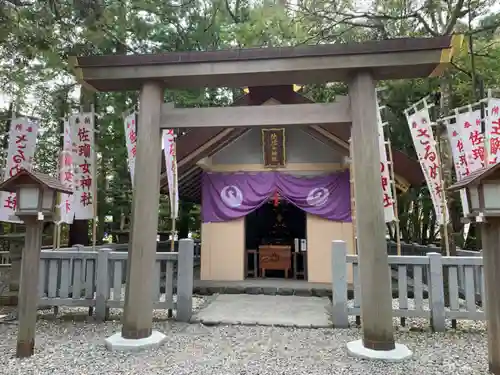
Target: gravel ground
73, 344
4, 279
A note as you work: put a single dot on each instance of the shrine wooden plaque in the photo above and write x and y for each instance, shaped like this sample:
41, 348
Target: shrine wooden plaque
273, 148
275, 257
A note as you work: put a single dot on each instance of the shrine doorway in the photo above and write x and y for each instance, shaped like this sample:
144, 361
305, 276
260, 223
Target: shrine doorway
275, 241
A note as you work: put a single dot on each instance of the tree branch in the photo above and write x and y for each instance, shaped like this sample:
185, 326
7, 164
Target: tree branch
16, 3
494, 26
469, 74
235, 18
455, 15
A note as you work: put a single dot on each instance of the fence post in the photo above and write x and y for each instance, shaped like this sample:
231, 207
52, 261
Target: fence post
436, 292
185, 280
339, 285
102, 284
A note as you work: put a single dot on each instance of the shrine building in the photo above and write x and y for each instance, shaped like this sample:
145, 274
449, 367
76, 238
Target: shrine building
272, 199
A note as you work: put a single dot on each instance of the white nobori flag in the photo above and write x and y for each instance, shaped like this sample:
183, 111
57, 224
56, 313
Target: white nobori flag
385, 177
82, 131
67, 176
171, 166
130, 122
425, 147
20, 154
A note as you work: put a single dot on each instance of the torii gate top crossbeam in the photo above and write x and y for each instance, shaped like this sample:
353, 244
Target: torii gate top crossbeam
386, 59
270, 116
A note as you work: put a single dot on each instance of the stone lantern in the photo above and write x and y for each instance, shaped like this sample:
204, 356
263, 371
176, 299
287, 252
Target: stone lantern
36, 194
483, 195
35, 202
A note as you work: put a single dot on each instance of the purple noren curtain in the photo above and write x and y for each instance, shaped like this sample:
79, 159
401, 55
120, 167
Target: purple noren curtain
228, 196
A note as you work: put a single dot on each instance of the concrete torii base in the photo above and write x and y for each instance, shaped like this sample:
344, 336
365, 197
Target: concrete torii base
398, 354
116, 342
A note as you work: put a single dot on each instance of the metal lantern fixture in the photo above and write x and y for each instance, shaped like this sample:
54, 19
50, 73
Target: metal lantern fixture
36, 193
483, 193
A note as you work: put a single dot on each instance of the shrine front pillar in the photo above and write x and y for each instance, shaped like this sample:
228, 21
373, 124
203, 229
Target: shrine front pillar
376, 289
138, 310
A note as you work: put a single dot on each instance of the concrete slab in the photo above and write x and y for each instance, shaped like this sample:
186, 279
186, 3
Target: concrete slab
399, 354
246, 309
116, 342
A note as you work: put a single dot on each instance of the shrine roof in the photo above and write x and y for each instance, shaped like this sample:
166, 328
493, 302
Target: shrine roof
386, 59
200, 143
43, 179
476, 177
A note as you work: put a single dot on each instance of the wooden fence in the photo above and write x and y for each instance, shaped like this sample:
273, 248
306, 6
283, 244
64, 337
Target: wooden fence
95, 279
162, 246
425, 285
4, 258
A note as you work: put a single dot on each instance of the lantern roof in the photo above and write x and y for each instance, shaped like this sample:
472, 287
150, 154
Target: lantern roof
474, 178
25, 177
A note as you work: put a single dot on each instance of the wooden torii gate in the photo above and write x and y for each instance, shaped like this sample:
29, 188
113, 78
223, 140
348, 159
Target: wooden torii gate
360, 65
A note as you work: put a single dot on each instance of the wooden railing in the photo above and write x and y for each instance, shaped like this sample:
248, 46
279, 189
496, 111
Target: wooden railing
96, 279
426, 285
4, 259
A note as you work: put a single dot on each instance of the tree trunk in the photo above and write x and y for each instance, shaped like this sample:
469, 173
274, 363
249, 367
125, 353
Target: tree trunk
447, 161
184, 218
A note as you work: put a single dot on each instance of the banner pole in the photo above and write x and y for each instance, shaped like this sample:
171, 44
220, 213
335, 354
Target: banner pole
94, 185
353, 198
395, 198
443, 198
58, 202
486, 137
173, 204
387, 149
173, 214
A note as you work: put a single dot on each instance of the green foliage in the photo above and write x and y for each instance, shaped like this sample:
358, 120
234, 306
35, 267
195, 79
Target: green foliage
36, 38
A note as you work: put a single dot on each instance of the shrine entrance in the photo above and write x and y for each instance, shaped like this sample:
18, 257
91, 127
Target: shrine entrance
359, 65
275, 241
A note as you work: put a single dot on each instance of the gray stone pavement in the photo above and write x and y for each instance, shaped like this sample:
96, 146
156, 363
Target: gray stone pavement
285, 311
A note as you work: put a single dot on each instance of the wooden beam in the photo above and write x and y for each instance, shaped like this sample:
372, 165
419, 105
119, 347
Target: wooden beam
205, 147
331, 136
138, 306
268, 116
295, 167
327, 138
390, 59
376, 299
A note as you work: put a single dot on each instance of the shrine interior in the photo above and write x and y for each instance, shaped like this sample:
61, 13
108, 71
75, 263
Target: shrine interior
277, 223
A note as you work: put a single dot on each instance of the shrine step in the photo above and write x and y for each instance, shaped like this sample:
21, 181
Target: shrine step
283, 287
263, 286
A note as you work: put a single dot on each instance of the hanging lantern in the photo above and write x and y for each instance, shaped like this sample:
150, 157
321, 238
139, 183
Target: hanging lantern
276, 199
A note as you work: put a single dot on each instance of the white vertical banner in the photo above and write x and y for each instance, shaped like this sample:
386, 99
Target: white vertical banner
387, 198
82, 130
425, 146
67, 176
171, 166
469, 127
20, 154
130, 122
492, 129
460, 163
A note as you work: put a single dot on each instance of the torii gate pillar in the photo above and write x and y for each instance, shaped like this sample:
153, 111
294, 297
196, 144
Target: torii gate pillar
138, 310
376, 290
